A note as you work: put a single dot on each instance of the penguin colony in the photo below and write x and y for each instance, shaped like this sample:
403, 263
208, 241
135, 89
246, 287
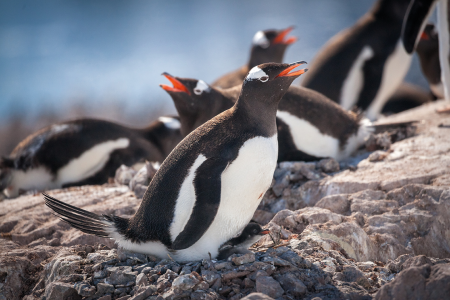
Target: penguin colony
219, 155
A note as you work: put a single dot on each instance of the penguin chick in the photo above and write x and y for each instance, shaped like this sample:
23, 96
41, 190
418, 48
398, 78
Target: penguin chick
208, 188
267, 46
83, 151
240, 244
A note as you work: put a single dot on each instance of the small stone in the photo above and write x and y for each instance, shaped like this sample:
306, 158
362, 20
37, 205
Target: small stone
124, 175
185, 282
248, 283
292, 284
269, 286
104, 288
223, 265
148, 291
328, 165
377, 156
139, 190
60, 290
84, 289
142, 279
234, 274
244, 259
106, 297
257, 296
202, 286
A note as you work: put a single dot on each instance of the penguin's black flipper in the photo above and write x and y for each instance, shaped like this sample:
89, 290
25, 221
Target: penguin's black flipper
207, 184
417, 11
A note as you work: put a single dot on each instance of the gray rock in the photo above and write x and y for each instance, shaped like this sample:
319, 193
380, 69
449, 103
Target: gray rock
104, 288
257, 296
142, 279
121, 275
139, 190
292, 285
61, 291
269, 286
328, 165
84, 289
141, 295
124, 175
244, 259
185, 282
234, 274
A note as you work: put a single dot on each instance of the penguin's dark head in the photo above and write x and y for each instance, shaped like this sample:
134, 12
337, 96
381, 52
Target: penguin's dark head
254, 229
196, 102
270, 81
429, 41
269, 46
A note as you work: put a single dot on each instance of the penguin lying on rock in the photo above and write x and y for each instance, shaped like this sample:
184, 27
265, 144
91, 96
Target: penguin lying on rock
83, 151
208, 188
310, 126
267, 46
240, 244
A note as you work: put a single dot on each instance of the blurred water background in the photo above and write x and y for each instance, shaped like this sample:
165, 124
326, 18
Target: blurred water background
104, 58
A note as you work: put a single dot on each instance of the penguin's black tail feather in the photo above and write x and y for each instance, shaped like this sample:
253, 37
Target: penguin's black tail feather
387, 126
81, 219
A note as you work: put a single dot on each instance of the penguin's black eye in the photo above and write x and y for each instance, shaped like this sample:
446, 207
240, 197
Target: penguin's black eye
264, 78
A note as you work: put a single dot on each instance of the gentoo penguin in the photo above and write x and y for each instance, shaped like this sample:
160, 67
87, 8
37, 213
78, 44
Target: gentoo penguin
363, 65
208, 188
428, 51
83, 151
240, 244
267, 46
415, 22
310, 126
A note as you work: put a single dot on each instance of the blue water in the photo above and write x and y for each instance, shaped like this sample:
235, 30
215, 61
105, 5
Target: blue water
57, 53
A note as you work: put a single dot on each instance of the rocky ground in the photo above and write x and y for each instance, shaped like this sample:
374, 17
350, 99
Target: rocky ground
375, 226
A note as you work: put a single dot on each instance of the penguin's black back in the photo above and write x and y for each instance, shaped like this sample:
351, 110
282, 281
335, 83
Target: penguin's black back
55, 146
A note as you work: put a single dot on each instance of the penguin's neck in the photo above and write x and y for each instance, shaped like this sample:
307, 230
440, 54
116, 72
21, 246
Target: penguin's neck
258, 112
390, 9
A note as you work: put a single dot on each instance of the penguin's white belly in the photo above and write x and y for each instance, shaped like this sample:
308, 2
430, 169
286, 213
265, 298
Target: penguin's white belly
394, 72
90, 162
243, 183
308, 138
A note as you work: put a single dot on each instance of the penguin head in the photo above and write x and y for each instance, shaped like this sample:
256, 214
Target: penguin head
429, 41
250, 235
254, 229
269, 46
270, 81
196, 102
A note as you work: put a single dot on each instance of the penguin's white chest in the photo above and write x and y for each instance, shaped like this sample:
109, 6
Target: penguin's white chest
243, 183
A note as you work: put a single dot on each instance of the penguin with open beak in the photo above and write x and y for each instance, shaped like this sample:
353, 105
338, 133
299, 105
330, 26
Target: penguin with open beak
208, 188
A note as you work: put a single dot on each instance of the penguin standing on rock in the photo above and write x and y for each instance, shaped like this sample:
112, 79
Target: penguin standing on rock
83, 151
310, 126
363, 65
208, 188
267, 46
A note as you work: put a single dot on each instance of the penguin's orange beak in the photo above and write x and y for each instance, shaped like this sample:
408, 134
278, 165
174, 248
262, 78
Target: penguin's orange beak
285, 72
266, 231
177, 85
424, 36
279, 39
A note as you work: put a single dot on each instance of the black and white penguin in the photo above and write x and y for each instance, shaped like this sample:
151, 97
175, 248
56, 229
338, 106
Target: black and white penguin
240, 244
267, 46
428, 51
415, 23
310, 126
208, 188
83, 151
363, 65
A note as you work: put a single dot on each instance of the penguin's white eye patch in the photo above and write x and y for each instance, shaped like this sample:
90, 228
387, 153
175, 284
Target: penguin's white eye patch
257, 74
201, 87
261, 40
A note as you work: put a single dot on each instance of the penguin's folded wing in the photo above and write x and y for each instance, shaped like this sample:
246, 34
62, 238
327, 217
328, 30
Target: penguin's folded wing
207, 184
